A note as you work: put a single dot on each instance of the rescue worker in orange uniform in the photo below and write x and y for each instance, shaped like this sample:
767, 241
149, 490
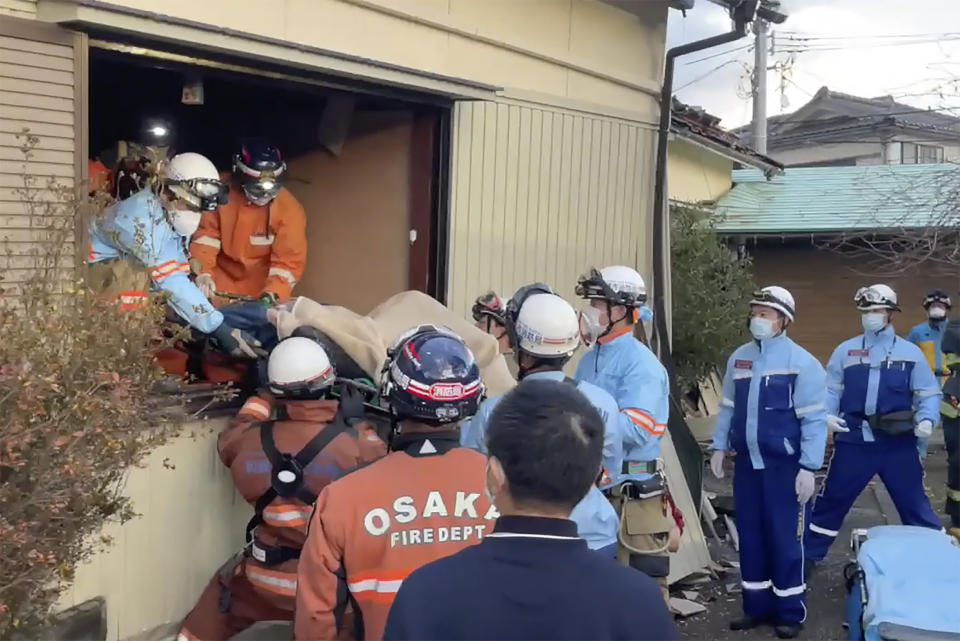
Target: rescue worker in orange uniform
256, 244
279, 466
424, 501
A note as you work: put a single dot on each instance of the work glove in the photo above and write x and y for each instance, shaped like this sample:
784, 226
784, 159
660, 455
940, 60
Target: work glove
805, 485
716, 463
206, 285
924, 428
836, 424
237, 343
351, 404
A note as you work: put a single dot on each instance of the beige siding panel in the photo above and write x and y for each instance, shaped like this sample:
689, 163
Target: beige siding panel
36, 154
45, 143
39, 115
38, 88
39, 169
34, 73
19, 8
45, 48
36, 60
17, 99
562, 194
37, 92
42, 130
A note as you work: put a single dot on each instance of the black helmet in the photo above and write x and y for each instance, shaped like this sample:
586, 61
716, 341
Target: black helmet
259, 170
936, 296
430, 376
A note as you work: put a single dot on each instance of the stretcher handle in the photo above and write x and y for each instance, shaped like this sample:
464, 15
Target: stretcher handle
363, 387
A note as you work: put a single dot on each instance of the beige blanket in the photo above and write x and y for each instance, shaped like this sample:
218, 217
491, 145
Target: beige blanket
366, 338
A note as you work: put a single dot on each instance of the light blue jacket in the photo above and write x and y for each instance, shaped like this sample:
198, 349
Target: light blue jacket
597, 521
632, 374
137, 228
772, 405
878, 373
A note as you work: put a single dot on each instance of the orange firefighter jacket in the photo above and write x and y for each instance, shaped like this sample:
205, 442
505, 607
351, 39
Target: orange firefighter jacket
373, 527
285, 519
250, 249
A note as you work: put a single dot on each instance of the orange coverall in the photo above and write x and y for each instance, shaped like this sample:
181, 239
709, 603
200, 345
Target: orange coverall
259, 591
376, 525
250, 249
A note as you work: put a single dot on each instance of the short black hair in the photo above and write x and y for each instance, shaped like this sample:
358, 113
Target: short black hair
549, 439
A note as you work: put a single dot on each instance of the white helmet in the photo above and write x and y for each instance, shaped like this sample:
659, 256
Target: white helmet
547, 327
299, 366
777, 298
195, 179
617, 284
877, 296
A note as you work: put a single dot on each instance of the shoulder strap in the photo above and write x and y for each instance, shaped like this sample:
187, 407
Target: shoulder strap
569, 381
299, 462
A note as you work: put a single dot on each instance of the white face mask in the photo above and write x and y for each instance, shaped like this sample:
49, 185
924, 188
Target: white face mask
185, 221
937, 313
761, 328
590, 327
873, 321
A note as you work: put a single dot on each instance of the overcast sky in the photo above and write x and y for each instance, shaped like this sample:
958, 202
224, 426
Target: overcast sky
919, 62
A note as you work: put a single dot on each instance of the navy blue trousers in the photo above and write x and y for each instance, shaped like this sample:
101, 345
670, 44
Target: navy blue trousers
852, 466
770, 524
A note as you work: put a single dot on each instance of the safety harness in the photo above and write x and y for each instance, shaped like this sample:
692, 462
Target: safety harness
287, 481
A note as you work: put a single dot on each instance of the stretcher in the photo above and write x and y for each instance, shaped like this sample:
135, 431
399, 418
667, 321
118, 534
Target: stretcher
904, 585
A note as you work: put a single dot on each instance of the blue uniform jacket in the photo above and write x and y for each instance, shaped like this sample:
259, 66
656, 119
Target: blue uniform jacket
631, 373
879, 373
596, 520
928, 336
137, 228
772, 405
531, 578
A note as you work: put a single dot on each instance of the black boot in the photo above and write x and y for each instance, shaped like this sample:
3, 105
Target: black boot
747, 623
788, 631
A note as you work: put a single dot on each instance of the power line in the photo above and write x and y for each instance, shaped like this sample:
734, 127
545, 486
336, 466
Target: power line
701, 77
722, 53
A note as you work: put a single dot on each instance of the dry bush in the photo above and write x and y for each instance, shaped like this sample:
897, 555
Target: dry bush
76, 375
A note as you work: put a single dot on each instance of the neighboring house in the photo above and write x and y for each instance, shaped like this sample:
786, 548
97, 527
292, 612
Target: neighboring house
837, 129
791, 225
447, 146
701, 156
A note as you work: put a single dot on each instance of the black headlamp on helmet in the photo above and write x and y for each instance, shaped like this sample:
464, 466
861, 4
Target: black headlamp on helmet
592, 285
260, 171
868, 298
488, 305
936, 296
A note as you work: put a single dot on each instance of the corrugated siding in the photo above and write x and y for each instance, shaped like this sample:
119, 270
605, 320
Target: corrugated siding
541, 194
19, 8
37, 86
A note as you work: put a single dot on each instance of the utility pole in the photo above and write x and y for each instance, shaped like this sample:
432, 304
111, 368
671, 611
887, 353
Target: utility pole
759, 127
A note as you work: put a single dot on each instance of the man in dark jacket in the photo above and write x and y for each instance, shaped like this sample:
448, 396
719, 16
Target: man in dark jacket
533, 577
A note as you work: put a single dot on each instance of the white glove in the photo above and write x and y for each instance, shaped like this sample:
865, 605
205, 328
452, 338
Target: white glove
924, 428
805, 485
206, 285
836, 424
716, 463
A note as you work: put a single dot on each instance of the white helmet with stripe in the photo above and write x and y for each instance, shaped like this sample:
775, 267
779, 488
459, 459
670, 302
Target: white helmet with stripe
547, 327
299, 367
775, 297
